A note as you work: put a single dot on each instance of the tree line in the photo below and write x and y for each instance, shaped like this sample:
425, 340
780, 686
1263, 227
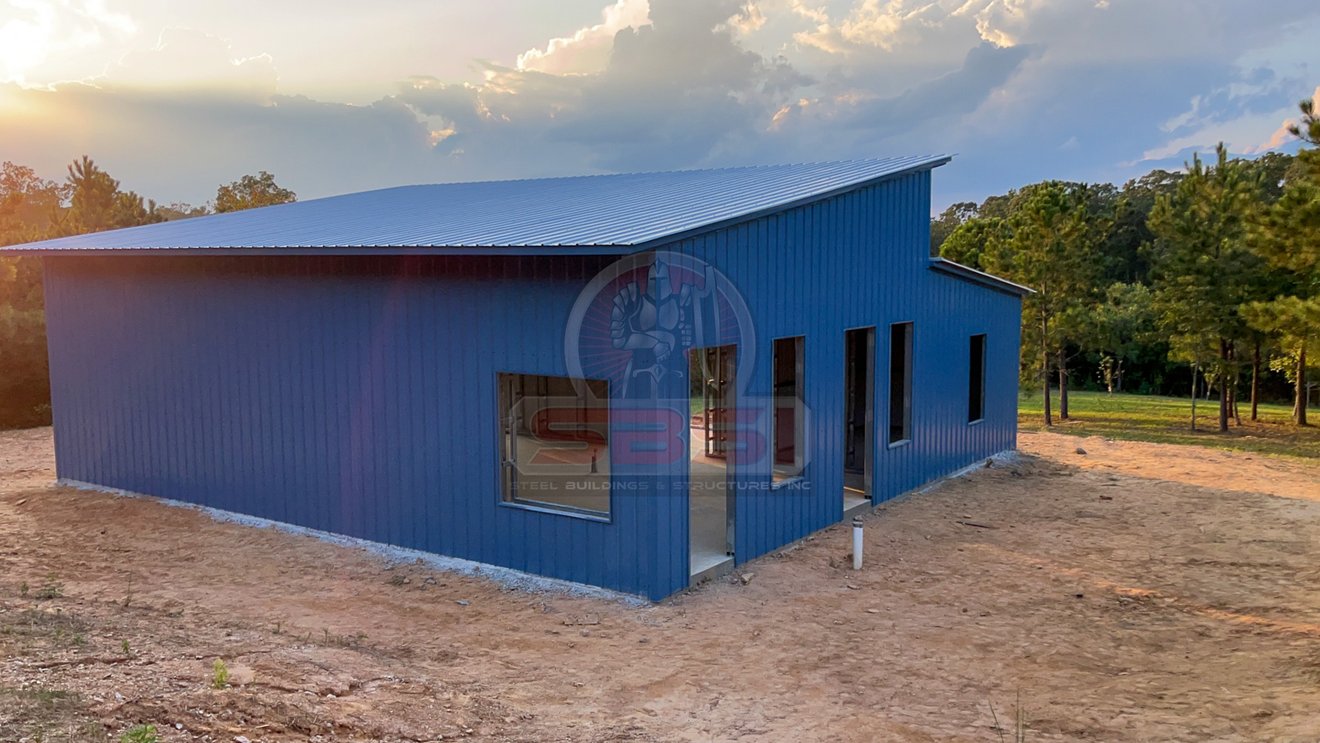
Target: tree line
87, 200
1206, 279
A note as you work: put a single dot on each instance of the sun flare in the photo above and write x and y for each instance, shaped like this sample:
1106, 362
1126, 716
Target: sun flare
25, 40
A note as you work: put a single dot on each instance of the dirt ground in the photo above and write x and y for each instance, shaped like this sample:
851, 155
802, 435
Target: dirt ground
1134, 592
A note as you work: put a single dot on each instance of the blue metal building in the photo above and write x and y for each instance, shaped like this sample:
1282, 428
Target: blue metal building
629, 381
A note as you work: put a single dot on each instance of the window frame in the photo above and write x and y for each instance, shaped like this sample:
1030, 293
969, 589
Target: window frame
799, 466
909, 340
504, 497
976, 378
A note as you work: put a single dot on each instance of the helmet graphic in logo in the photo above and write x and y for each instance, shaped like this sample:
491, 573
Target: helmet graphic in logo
636, 320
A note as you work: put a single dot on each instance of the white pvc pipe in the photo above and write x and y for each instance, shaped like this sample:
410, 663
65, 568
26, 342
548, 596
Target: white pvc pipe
857, 543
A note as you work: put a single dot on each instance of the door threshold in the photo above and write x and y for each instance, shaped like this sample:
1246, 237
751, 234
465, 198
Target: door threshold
709, 567
855, 506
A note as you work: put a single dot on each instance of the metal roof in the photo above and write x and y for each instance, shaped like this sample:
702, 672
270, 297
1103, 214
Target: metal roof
599, 213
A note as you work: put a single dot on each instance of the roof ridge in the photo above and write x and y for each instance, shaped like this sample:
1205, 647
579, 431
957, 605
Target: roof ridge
585, 176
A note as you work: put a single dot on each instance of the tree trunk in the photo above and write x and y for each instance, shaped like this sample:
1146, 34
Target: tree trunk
1195, 368
1255, 380
1299, 393
1118, 375
1223, 386
1233, 385
1045, 365
1063, 386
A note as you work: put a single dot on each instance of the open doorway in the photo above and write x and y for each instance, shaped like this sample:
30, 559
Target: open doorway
712, 372
859, 419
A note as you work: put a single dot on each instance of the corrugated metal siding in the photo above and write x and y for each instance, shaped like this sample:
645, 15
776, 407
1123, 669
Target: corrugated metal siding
354, 396
861, 260
357, 395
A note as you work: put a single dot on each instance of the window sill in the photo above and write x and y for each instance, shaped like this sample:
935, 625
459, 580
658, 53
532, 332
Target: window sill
786, 483
900, 444
601, 518
976, 422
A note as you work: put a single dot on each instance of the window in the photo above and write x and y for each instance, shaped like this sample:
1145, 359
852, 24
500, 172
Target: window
554, 443
976, 380
900, 382
789, 423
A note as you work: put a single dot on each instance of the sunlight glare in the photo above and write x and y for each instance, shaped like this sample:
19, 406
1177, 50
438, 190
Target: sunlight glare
24, 41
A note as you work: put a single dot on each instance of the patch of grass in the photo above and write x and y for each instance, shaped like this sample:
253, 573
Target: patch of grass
1167, 420
140, 734
330, 639
54, 630
219, 675
52, 590
41, 714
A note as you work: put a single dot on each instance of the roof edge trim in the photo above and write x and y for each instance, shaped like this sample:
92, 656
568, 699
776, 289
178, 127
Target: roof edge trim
989, 281
318, 250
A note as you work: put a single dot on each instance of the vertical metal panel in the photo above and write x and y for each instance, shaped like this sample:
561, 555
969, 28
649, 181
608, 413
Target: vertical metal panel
349, 395
861, 260
357, 395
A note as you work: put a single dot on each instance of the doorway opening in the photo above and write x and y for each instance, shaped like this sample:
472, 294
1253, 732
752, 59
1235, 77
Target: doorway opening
858, 417
711, 373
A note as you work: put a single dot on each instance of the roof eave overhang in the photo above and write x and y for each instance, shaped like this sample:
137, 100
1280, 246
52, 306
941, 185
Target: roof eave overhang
353, 250
981, 278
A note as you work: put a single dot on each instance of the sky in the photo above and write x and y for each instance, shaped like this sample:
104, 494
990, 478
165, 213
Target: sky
174, 98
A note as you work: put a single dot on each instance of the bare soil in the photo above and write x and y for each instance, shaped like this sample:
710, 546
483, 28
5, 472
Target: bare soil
1134, 592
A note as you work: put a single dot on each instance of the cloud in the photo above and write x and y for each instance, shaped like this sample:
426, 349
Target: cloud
588, 49
674, 92
879, 24
187, 60
748, 20
37, 32
948, 99
188, 101
1283, 135
891, 25
1021, 89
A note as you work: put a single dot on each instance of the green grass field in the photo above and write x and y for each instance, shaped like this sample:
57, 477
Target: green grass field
1167, 420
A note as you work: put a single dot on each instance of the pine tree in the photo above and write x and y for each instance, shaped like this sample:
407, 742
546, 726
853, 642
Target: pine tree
1199, 258
1287, 236
1049, 244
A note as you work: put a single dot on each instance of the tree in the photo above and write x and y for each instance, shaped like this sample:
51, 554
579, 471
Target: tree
29, 205
1199, 257
1287, 236
32, 208
96, 202
1048, 243
250, 192
966, 243
1119, 328
1125, 259
180, 210
949, 220
1293, 321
